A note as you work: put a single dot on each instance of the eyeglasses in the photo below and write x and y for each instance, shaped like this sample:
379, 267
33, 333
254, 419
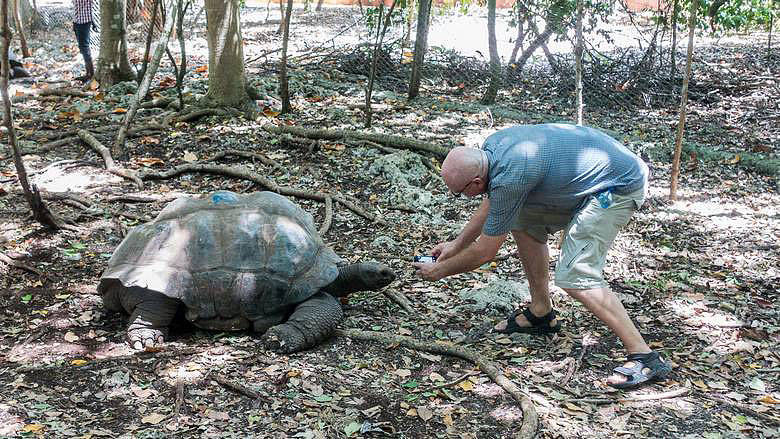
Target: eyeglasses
460, 192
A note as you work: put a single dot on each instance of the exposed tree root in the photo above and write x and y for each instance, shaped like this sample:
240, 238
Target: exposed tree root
246, 174
16, 264
530, 418
90, 140
383, 139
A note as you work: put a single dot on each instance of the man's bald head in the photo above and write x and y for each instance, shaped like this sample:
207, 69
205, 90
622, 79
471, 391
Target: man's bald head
462, 165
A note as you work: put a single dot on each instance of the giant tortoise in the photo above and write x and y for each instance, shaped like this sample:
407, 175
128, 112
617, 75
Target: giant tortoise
235, 262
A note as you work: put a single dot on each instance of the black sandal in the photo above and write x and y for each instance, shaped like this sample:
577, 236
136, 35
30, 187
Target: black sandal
658, 369
539, 325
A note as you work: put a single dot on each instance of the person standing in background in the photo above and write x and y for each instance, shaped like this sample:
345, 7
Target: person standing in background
82, 22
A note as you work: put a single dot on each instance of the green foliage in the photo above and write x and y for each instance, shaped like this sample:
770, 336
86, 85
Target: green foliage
730, 16
741, 15
373, 20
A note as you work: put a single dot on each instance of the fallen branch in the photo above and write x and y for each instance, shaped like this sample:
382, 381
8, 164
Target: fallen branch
95, 144
247, 174
530, 422
248, 154
382, 139
745, 408
236, 387
649, 397
328, 216
399, 298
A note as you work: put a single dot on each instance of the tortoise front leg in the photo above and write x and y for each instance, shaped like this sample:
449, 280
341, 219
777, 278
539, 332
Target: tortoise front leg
150, 315
312, 322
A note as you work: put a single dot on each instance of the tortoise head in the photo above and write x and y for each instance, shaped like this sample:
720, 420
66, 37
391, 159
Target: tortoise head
366, 276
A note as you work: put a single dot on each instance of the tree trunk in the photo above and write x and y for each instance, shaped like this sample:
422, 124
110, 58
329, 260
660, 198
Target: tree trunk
20, 28
420, 46
683, 103
578, 58
495, 62
227, 79
38, 207
113, 65
284, 83
673, 50
522, 16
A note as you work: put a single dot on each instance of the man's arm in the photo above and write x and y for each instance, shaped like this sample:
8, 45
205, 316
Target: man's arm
471, 257
467, 236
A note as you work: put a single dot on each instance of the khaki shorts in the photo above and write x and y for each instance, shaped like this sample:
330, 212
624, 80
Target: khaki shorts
589, 235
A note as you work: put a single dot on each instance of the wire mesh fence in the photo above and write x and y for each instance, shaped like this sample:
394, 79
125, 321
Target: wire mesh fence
628, 60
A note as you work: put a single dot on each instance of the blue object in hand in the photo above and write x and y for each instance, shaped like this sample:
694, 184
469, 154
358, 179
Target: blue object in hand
605, 198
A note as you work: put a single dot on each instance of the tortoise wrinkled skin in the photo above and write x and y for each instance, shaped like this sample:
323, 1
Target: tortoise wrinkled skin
251, 261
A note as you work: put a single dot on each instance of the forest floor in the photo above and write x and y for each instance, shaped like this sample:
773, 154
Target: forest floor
699, 275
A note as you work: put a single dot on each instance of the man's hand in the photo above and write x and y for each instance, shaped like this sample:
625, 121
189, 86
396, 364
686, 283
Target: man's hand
426, 270
445, 250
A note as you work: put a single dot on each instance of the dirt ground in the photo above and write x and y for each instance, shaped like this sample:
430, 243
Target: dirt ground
699, 276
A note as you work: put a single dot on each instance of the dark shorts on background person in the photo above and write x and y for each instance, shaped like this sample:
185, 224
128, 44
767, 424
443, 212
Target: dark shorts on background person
589, 235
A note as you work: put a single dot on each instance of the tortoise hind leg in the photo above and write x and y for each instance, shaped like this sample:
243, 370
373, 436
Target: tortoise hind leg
312, 322
150, 315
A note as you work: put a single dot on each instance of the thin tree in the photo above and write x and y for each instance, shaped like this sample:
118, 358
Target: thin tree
420, 46
380, 36
20, 28
683, 103
495, 62
118, 149
181, 70
40, 211
578, 58
284, 83
673, 50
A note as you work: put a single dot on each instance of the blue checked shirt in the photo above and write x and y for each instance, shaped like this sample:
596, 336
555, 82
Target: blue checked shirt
554, 168
82, 11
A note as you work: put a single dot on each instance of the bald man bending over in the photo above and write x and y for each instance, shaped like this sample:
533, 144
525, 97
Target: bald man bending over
540, 179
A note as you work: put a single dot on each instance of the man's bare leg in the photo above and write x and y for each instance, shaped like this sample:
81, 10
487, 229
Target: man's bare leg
535, 257
605, 305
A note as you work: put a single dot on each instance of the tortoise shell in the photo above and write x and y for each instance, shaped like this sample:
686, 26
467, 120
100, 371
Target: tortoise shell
227, 255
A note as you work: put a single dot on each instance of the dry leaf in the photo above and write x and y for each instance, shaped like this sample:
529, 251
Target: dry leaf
216, 415
32, 428
94, 85
190, 157
79, 362
411, 412
466, 385
150, 140
150, 161
403, 373
202, 69
334, 146
270, 112
769, 399
735, 160
447, 420
120, 110
153, 418
70, 337
424, 413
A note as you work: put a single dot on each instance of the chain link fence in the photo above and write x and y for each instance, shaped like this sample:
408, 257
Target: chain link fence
628, 60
